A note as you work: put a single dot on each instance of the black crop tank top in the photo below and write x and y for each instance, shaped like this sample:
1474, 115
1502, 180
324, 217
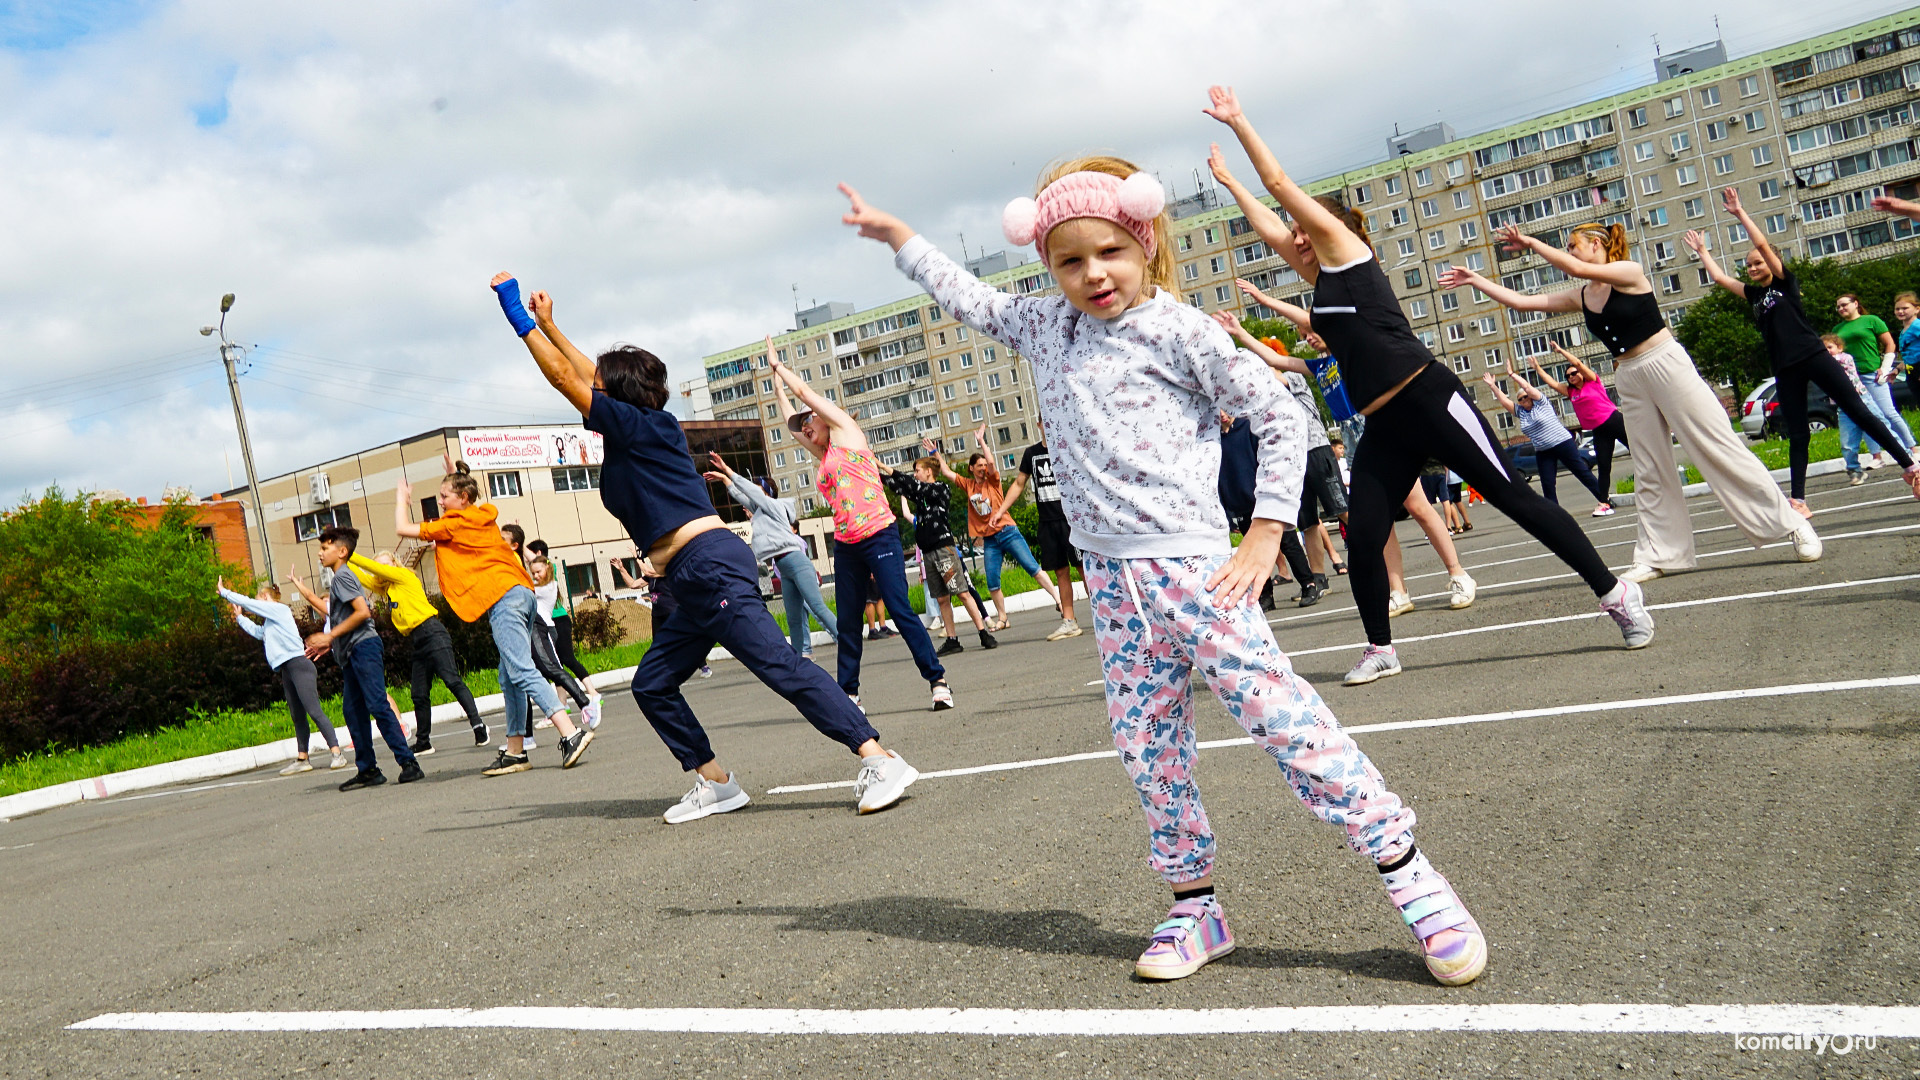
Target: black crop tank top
1357, 315
1626, 320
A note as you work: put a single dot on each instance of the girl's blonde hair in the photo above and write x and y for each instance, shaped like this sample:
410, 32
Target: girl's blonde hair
1612, 237
1160, 266
1908, 297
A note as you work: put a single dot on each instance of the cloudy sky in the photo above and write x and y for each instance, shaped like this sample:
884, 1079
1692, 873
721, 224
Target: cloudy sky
356, 171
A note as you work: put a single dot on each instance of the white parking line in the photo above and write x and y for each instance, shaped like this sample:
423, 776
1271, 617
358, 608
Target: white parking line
1835, 1029
1788, 690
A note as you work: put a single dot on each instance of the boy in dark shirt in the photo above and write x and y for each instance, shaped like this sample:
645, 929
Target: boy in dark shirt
355, 644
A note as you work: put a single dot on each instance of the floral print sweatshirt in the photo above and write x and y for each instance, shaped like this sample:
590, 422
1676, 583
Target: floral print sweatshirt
1132, 408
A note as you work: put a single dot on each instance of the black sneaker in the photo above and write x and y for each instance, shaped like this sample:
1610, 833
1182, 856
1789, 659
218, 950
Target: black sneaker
1311, 593
1266, 597
987, 642
1321, 580
949, 647
421, 747
480, 735
573, 746
411, 773
370, 778
507, 763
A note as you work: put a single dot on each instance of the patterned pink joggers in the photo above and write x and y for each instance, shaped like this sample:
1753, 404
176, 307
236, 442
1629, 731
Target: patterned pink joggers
1156, 623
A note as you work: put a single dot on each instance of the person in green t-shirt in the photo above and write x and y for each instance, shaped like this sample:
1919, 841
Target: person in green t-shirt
1874, 353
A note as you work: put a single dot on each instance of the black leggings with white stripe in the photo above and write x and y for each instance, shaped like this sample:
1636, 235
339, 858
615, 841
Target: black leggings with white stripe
1432, 417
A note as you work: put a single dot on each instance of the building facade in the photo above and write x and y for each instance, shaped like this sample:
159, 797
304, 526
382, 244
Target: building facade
1808, 133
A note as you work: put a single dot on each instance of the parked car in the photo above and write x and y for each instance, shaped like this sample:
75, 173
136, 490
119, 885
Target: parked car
1521, 450
1759, 416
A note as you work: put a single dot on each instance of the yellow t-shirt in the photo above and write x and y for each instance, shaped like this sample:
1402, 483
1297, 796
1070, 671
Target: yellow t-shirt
403, 589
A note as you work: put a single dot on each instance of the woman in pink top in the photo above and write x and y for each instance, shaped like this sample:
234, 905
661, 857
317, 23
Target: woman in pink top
1597, 414
865, 538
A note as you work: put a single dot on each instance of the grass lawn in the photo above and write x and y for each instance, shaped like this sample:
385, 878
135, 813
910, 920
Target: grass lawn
210, 733
1821, 446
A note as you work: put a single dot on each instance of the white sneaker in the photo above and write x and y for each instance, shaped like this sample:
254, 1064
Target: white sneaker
543, 722
942, 697
339, 760
1640, 572
1377, 662
882, 781
1068, 628
1806, 543
1460, 588
706, 672
1629, 610
298, 765
1398, 603
591, 713
706, 799
1603, 510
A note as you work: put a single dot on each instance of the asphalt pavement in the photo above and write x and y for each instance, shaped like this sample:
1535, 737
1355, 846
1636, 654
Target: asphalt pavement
1625, 850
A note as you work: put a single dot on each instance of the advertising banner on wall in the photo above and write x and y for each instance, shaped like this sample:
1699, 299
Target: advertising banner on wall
522, 448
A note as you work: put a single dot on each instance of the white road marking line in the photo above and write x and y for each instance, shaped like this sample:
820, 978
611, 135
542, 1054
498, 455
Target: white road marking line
1788, 690
186, 791
15, 847
1847, 1022
1672, 604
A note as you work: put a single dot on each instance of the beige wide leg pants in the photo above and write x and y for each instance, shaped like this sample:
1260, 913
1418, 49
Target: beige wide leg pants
1663, 396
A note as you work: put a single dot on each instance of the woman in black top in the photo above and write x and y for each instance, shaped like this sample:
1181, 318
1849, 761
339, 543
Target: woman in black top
1662, 396
1795, 353
1416, 408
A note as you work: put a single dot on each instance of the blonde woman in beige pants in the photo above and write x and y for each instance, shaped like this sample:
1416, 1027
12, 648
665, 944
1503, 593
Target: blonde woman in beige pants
1662, 397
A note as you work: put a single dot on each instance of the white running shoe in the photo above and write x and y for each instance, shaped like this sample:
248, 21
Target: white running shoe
1067, 628
1377, 662
1628, 607
543, 722
706, 799
1398, 603
591, 713
1460, 589
706, 672
1605, 509
1806, 543
298, 765
339, 760
882, 781
942, 697
1641, 572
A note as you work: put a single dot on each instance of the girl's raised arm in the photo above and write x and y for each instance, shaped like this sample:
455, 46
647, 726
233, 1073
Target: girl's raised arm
1293, 313
1268, 225
560, 370
1277, 360
1731, 197
1720, 277
1333, 243
969, 299
1559, 301
1621, 273
1554, 384
1505, 402
1586, 372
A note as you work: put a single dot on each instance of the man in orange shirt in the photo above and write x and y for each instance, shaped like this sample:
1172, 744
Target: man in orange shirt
986, 522
482, 577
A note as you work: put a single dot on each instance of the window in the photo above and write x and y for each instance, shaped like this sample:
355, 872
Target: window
1462, 364
780, 460
1426, 336
946, 365
766, 386
1437, 239
1709, 97
1449, 301
1222, 294
1423, 177
430, 508
1413, 278
1755, 120
1469, 231
953, 418
1430, 208
503, 485
966, 359
1362, 194
1238, 227
1186, 242
1457, 332
975, 414
1680, 142
989, 354
1217, 265
1662, 250
1736, 234
1476, 261
1456, 168
1213, 234
1462, 200
1749, 85
1643, 151
946, 392
1669, 284
1194, 299
1686, 174
1776, 223
826, 371
1704, 279
1723, 165
993, 381
1417, 309
1406, 247
1716, 131
1487, 325
1398, 216
1392, 184
1000, 409
1191, 272
1769, 190
1675, 106
1637, 117
1493, 357
1762, 155
308, 526
1694, 208
973, 386
577, 478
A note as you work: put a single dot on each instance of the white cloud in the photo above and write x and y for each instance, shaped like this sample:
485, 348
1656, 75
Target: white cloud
665, 169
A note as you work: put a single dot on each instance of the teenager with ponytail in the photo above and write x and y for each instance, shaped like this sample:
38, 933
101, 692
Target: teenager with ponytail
1662, 395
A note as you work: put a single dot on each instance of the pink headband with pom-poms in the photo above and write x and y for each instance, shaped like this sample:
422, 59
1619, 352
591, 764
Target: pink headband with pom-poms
1131, 203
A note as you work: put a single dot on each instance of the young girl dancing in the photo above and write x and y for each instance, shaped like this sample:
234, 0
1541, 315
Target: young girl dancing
1416, 409
1663, 396
777, 545
1794, 352
649, 483
1596, 412
287, 656
1553, 444
1132, 382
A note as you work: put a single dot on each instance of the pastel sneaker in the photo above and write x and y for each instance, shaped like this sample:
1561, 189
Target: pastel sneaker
1194, 934
883, 779
1460, 590
591, 713
1449, 939
707, 799
1377, 662
1806, 543
1627, 607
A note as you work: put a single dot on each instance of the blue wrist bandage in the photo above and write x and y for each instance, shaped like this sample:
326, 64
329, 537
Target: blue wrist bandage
509, 292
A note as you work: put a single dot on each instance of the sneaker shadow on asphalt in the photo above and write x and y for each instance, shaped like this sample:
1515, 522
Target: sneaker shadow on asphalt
938, 920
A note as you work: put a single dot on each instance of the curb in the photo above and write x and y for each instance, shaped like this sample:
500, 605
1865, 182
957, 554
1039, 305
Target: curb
281, 751
1815, 468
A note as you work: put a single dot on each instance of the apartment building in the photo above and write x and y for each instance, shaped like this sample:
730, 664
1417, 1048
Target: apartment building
1809, 133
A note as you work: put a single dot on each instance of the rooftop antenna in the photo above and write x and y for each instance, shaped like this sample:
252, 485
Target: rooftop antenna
963, 248
1716, 28
796, 298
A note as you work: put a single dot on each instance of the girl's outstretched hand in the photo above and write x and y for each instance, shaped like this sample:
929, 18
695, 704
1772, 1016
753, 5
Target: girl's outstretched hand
1250, 566
1223, 105
1231, 325
1217, 161
541, 304
874, 224
1512, 238
1454, 277
1693, 239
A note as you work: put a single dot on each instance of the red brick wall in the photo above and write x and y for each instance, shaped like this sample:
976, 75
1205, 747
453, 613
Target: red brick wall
223, 521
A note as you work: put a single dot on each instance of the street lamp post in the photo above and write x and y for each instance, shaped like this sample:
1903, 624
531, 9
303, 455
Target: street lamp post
228, 351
